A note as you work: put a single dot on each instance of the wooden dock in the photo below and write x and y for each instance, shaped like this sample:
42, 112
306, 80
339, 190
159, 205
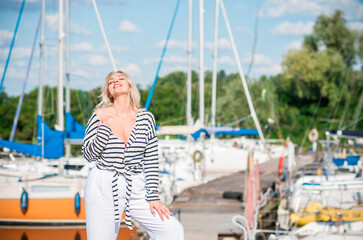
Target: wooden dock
205, 214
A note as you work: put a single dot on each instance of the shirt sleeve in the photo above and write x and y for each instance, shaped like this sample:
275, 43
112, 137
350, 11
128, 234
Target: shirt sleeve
151, 162
95, 139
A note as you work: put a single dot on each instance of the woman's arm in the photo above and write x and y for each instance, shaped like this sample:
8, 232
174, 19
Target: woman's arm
151, 162
151, 168
95, 139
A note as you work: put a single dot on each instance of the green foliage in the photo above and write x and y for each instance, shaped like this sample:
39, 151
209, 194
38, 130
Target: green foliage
332, 32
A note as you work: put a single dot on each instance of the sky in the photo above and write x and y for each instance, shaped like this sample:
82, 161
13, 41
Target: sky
137, 29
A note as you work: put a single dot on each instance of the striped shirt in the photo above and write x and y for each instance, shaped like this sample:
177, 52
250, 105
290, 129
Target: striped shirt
139, 154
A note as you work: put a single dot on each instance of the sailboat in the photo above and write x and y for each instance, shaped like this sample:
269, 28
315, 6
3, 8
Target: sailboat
44, 190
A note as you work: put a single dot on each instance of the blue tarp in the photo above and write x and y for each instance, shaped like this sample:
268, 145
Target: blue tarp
224, 130
74, 130
53, 143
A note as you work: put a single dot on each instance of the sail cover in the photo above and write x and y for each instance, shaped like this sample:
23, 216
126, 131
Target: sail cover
74, 130
224, 130
53, 143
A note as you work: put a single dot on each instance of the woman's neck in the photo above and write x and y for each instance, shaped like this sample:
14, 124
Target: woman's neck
122, 105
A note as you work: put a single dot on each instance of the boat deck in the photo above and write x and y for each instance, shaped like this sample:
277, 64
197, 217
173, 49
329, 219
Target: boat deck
205, 214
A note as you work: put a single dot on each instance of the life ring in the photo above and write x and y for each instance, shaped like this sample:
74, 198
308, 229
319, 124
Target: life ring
313, 135
197, 156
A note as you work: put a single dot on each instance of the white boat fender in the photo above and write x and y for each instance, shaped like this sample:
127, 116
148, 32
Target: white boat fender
197, 156
77, 203
24, 201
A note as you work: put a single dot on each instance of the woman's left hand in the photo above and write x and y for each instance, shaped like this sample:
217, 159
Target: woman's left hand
160, 208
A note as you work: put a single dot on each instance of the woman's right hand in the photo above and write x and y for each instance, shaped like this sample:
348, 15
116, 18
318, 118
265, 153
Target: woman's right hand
103, 116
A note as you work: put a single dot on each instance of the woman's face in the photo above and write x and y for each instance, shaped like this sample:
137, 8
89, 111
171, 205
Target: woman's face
117, 85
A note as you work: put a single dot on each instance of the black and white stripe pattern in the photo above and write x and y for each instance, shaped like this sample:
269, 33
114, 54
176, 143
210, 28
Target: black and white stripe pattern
139, 154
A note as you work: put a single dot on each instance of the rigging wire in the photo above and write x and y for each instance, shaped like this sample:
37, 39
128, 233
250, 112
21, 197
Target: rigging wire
254, 43
341, 95
335, 102
348, 99
357, 111
21, 97
12, 44
238, 121
151, 92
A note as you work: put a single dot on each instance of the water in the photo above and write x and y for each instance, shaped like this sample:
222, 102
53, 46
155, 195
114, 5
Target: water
56, 233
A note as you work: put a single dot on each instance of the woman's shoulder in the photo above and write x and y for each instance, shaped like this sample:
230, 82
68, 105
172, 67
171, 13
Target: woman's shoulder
101, 113
143, 112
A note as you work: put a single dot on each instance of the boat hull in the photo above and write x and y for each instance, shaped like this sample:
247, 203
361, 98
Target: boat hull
42, 211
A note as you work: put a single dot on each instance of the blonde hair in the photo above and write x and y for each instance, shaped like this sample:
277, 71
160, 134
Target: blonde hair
106, 98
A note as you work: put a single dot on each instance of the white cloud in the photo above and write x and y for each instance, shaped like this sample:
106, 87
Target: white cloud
226, 61
168, 60
78, 29
356, 26
294, 45
353, 9
117, 49
51, 21
148, 61
176, 59
80, 73
132, 69
277, 8
288, 28
258, 59
17, 53
172, 44
244, 30
19, 63
268, 70
12, 72
5, 37
223, 43
95, 60
82, 47
88, 4
127, 26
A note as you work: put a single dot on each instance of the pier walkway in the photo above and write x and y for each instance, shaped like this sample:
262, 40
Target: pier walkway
205, 214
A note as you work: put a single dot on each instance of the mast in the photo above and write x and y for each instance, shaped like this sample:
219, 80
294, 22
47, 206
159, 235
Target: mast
41, 62
68, 96
60, 114
60, 105
214, 79
244, 83
41, 74
201, 64
189, 77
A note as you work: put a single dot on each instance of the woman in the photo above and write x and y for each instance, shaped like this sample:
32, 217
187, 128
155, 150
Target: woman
121, 138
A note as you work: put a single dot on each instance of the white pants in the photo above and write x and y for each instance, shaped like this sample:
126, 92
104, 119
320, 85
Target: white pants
100, 213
